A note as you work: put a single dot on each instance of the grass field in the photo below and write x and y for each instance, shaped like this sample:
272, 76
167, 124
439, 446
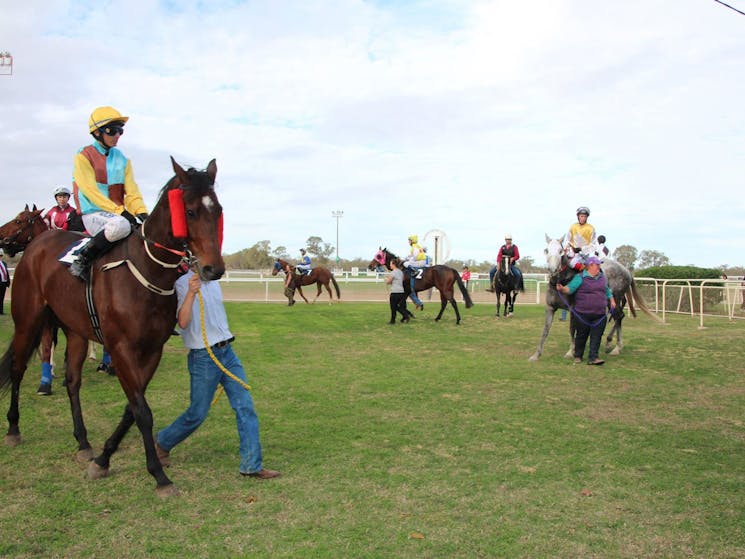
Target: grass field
420, 440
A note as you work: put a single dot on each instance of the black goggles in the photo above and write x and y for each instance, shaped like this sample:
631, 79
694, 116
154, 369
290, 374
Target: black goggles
113, 130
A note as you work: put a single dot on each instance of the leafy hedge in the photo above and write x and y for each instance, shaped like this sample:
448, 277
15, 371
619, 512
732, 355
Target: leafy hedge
673, 299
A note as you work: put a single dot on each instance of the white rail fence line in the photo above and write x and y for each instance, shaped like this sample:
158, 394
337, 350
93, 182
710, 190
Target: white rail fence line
722, 298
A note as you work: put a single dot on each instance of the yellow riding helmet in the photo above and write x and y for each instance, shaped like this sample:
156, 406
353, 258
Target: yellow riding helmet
101, 116
413, 239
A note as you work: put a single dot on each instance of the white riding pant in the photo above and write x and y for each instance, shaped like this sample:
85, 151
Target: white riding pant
114, 226
582, 254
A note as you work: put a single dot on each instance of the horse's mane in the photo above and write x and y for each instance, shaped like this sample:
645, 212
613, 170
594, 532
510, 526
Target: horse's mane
199, 183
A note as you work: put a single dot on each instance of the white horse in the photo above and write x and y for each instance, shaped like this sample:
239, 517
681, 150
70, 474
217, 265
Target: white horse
620, 281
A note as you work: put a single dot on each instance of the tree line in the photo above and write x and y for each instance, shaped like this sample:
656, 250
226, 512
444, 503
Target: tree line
262, 256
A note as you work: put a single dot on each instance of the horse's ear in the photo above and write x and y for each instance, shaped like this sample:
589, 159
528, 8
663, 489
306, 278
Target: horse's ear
548, 239
34, 207
212, 170
180, 173
25, 210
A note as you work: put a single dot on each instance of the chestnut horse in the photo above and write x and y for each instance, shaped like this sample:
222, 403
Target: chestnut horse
441, 277
133, 307
319, 275
21, 230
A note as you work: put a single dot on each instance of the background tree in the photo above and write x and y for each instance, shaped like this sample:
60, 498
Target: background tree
526, 264
319, 250
254, 258
626, 255
653, 258
280, 252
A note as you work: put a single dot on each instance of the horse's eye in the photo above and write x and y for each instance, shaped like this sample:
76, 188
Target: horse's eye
191, 213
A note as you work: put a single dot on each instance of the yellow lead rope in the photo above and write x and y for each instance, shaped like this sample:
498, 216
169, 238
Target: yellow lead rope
212, 355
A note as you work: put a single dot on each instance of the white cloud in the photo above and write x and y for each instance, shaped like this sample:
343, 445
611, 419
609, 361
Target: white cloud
476, 118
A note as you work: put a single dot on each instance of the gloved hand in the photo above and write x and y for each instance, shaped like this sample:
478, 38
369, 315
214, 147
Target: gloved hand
142, 216
129, 217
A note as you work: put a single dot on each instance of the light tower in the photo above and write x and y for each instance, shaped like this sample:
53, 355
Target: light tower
6, 64
337, 214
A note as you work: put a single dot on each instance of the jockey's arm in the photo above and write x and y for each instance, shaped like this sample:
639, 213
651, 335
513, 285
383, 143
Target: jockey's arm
132, 197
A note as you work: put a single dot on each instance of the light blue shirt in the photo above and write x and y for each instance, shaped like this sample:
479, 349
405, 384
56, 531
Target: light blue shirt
215, 318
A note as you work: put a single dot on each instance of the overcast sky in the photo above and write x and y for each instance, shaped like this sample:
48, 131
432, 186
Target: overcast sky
471, 118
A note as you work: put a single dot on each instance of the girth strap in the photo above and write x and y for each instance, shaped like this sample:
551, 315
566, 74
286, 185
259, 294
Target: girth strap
95, 323
136, 273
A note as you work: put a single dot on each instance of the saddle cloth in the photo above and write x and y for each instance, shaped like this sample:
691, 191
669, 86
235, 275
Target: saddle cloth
70, 254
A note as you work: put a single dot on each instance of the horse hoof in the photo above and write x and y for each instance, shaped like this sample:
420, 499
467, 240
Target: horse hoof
165, 491
84, 456
12, 440
96, 472
533, 357
616, 351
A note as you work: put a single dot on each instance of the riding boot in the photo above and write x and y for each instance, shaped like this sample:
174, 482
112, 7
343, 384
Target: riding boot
98, 245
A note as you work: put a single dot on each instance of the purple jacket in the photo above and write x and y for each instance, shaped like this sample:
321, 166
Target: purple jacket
591, 294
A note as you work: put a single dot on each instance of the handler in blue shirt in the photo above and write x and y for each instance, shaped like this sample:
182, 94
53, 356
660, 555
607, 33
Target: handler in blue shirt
592, 298
205, 375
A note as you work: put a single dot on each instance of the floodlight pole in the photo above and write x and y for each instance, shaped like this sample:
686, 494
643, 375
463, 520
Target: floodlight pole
337, 214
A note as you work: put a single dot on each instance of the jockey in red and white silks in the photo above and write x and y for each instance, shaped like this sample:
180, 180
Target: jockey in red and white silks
58, 216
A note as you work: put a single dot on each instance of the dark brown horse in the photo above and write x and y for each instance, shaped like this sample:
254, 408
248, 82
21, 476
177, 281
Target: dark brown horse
441, 277
319, 275
505, 282
134, 302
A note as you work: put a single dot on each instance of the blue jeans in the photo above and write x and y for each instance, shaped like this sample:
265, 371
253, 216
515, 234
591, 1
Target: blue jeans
205, 376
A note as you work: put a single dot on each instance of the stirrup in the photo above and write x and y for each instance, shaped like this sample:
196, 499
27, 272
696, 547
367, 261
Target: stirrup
81, 269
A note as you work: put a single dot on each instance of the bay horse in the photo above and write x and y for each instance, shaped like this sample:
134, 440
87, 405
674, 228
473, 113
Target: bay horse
319, 275
14, 238
506, 282
620, 281
132, 294
439, 276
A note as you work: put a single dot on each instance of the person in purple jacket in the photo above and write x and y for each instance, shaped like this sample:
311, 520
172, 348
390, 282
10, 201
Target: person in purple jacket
592, 297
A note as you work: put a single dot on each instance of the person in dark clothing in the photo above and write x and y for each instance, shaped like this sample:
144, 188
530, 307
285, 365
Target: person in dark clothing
592, 298
4, 281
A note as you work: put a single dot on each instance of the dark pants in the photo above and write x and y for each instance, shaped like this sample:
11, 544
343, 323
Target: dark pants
3, 287
398, 304
588, 325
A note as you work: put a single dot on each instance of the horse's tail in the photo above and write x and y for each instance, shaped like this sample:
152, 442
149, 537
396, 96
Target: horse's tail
336, 286
637, 297
6, 366
463, 290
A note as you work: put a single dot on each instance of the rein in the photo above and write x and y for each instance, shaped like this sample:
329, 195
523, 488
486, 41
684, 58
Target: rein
222, 367
578, 317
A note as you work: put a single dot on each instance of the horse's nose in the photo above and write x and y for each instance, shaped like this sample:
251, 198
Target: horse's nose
210, 273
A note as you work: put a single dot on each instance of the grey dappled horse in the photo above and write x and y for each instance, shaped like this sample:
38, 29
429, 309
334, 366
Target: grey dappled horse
620, 281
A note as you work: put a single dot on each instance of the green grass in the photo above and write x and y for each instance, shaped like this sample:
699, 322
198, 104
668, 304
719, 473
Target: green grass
419, 440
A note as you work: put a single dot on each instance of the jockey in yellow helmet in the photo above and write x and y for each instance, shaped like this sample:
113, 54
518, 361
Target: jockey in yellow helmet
580, 239
105, 189
416, 260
